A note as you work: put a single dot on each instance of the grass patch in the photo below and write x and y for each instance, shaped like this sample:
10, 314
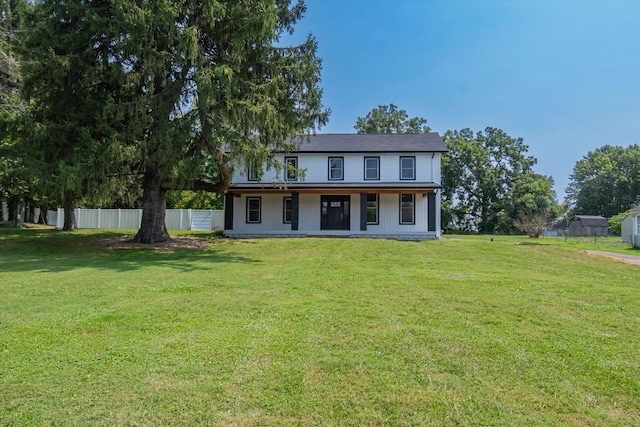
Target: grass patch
461, 331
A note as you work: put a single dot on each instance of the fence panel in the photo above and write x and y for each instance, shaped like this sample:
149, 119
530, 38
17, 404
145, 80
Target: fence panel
52, 217
130, 218
175, 219
87, 218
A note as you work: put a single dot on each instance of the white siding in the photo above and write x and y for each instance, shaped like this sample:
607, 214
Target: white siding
309, 218
626, 229
317, 168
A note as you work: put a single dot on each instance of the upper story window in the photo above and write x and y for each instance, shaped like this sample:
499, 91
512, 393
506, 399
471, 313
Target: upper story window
253, 172
372, 168
336, 168
407, 167
291, 171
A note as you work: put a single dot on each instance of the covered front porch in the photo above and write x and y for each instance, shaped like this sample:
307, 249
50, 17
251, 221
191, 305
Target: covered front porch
384, 211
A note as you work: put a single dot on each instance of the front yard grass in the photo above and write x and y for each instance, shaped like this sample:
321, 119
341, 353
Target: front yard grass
331, 332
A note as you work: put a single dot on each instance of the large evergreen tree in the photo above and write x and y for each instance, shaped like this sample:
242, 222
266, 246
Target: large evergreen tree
214, 86
175, 91
71, 81
16, 183
12, 18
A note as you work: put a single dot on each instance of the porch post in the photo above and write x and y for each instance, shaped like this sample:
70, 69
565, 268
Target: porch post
363, 211
228, 211
431, 211
295, 208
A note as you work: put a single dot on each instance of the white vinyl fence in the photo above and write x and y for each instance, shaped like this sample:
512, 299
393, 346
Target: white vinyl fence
51, 215
175, 219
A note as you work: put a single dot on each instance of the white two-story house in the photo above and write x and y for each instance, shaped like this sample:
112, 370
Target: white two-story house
349, 185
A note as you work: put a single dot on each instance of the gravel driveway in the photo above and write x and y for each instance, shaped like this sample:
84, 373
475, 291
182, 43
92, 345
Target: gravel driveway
629, 259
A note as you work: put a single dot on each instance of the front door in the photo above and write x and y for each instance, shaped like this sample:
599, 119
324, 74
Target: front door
335, 212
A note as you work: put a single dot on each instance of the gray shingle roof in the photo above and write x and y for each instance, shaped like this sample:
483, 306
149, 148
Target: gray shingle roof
376, 143
592, 221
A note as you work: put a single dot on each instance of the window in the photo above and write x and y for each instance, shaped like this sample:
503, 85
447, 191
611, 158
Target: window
291, 172
372, 208
286, 210
372, 168
336, 168
254, 210
407, 167
252, 172
638, 224
407, 209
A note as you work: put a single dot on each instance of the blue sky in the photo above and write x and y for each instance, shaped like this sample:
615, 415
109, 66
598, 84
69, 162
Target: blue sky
563, 75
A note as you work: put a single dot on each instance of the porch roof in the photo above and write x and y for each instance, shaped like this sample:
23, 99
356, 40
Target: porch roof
336, 188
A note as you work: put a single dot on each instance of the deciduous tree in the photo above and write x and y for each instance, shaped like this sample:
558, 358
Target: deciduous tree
388, 119
606, 181
488, 181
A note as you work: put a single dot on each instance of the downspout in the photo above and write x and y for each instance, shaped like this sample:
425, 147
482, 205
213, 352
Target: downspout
432, 156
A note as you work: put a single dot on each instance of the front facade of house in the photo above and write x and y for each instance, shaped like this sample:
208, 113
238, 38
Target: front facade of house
631, 228
346, 185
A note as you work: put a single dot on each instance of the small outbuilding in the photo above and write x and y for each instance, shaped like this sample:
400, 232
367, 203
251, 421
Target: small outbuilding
630, 229
588, 225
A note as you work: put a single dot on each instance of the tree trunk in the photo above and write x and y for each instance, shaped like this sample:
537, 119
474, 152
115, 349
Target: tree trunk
69, 213
19, 217
29, 212
12, 206
154, 204
26, 208
44, 214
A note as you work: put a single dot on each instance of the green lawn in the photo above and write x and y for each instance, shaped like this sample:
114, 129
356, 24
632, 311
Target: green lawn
327, 332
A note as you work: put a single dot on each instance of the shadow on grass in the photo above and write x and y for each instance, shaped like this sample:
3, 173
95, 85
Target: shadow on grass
56, 251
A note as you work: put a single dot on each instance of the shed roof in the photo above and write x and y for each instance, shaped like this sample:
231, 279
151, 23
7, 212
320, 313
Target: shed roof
591, 220
373, 143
